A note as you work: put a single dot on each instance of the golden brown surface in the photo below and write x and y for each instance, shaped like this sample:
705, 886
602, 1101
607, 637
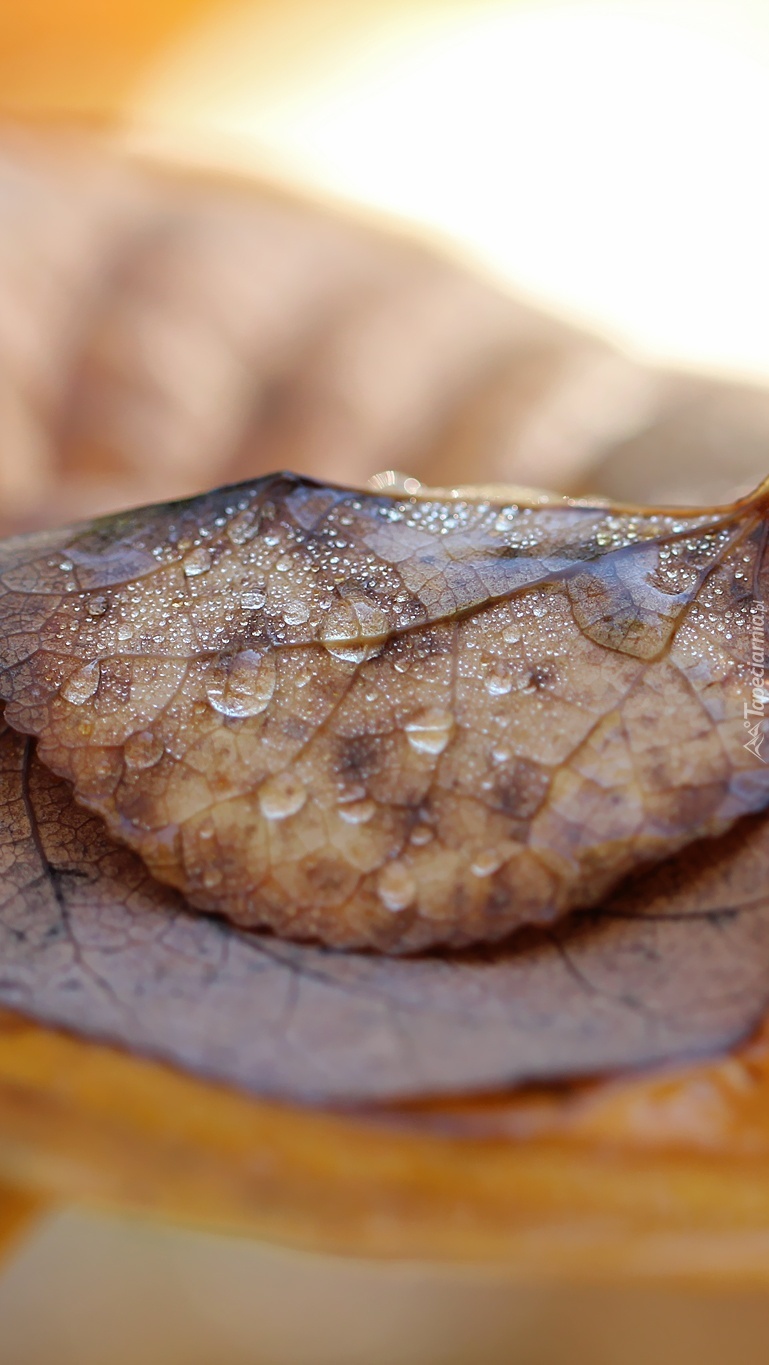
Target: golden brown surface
664, 1179
392, 722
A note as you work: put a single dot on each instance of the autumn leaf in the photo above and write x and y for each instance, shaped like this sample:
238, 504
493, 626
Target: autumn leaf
146, 368
162, 333
387, 721
672, 967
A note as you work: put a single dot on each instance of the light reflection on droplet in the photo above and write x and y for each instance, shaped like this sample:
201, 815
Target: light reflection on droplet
81, 686
196, 562
245, 685
429, 731
143, 750
281, 797
396, 887
357, 812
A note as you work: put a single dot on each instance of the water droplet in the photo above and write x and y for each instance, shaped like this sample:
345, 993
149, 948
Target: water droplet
486, 862
252, 601
499, 682
244, 684
429, 731
143, 750
281, 796
372, 620
196, 562
421, 835
97, 606
396, 887
284, 563
357, 812
124, 631
511, 635
81, 686
341, 636
241, 528
296, 613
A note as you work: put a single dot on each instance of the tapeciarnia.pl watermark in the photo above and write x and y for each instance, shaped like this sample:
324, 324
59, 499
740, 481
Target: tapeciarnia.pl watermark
753, 711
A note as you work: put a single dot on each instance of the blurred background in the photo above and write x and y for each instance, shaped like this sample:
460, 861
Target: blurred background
517, 240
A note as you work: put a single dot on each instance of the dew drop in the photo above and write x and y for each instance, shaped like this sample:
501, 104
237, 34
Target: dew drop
499, 682
396, 887
511, 635
281, 796
124, 631
244, 686
372, 620
252, 601
196, 563
241, 528
81, 686
341, 636
421, 835
296, 613
357, 812
143, 750
487, 862
97, 606
429, 731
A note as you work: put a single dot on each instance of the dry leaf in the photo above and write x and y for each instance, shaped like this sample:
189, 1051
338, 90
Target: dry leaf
392, 722
673, 966
161, 334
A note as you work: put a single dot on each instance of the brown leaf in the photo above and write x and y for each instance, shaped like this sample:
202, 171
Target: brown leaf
160, 334
674, 966
392, 721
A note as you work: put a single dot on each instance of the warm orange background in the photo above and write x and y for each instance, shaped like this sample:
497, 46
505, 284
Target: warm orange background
80, 58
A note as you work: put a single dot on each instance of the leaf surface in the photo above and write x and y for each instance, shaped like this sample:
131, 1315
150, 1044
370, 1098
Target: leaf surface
392, 722
674, 966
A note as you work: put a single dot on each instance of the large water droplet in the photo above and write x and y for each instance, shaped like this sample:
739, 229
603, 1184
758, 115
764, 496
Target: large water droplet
499, 682
143, 750
252, 601
341, 636
81, 686
296, 613
357, 812
97, 606
196, 562
372, 620
242, 528
396, 887
511, 635
244, 685
281, 796
429, 731
487, 862
421, 835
